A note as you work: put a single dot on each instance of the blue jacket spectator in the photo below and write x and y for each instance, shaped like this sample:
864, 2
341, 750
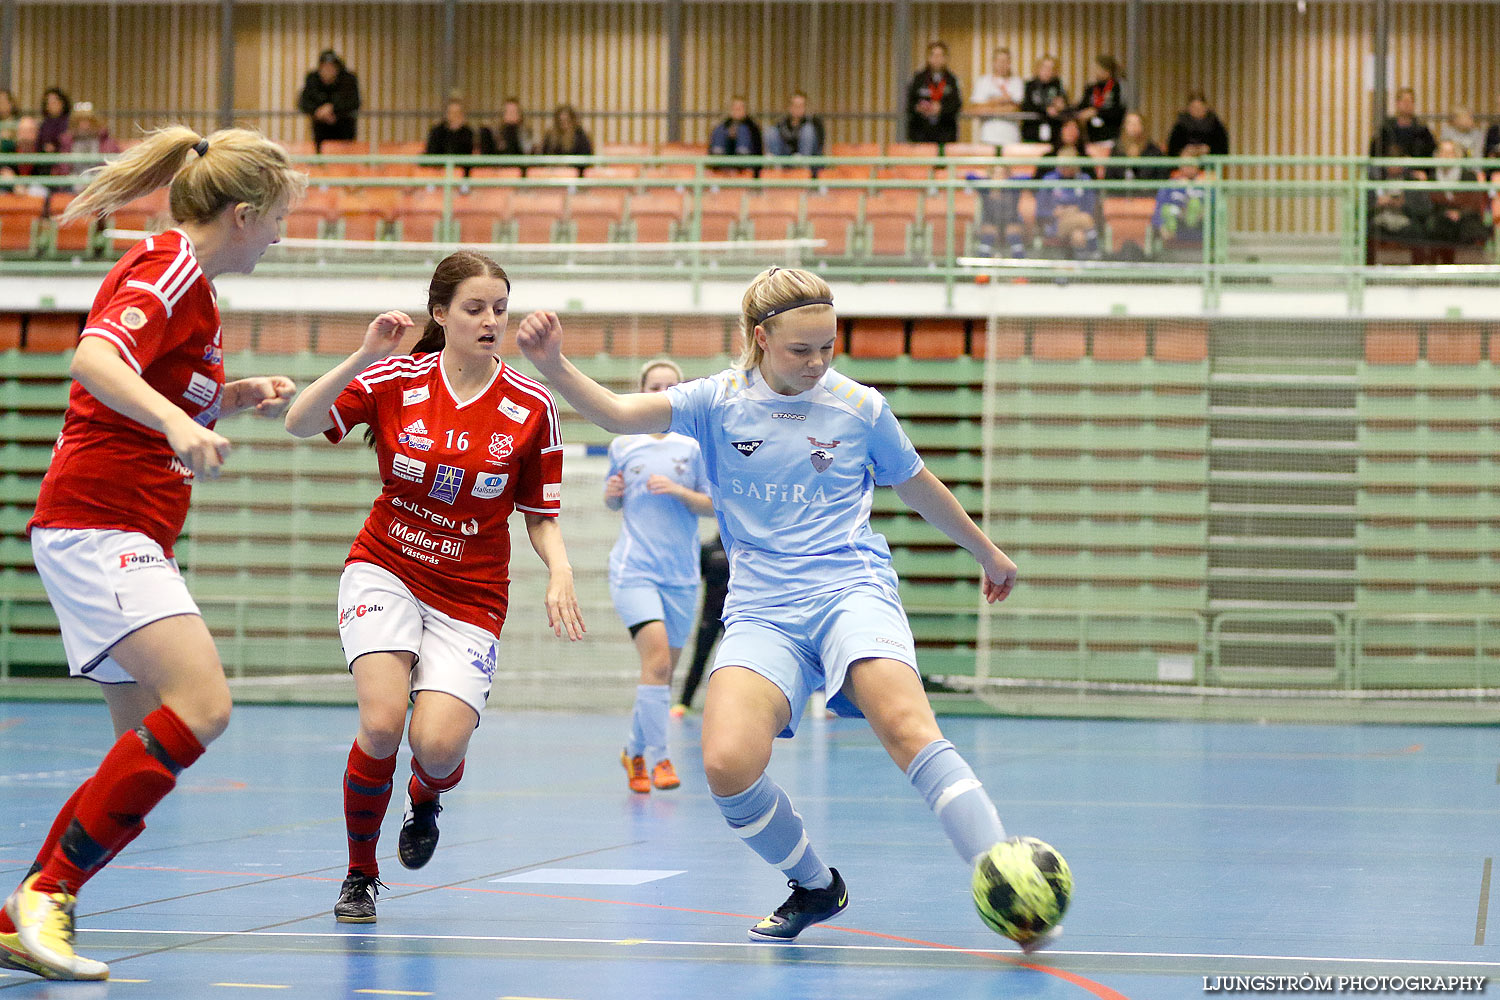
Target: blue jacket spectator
1182, 207
1067, 213
736, 135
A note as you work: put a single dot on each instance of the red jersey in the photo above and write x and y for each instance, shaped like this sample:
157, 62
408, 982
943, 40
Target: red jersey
453, 471
108, 471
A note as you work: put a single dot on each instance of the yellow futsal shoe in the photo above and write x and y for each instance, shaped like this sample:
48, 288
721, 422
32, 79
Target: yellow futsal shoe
43, 942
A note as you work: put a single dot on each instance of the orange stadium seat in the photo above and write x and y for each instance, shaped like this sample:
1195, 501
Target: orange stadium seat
773, 215
626, 149
1120, 340
786, 174
142, 215
622, 171
20, 215
1127, 219
914, 149
854, 149
479, 213
1455, 344
495, 173
635, 339
596, 214
833, 218
49, 333
682, 149
1174, 340
288, 334
671, 171
891, 222
965, 216
845, 172
877, 337
968, 149
657, 215
552, 173
587, 335
1058, 340
722, 212
237, 331
1010, 339
698, 337
419, 218
1397, 344
10, 331
80, 236
308, 222
361, 217
937, 339
537, 215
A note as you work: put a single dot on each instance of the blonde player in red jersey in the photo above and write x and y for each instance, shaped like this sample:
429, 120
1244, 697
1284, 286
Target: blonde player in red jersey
462, 439
148, 387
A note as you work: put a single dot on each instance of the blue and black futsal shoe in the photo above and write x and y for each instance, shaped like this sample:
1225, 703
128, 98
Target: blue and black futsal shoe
803, 908
419, 833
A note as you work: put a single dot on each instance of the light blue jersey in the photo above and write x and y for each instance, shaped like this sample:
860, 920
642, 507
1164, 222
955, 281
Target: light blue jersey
793, 480
658, 541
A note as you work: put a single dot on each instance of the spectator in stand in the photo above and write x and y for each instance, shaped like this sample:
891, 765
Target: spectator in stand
1492, 140
1198, 125
933, 100
1047, 98
998, 93
52, 131
1068, 213
1457, 216
89, 135
1404, 130
454, 136
1181, 208
1134, 143
10, 120
1465, 132
797, 133
515, 138
27, 129
738, 134
330, 96
1000, 222
1395, 214
1101, 109
566, 137
1067, 133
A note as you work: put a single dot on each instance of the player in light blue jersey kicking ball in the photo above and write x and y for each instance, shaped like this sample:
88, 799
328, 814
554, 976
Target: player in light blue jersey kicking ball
659, 481
794, 451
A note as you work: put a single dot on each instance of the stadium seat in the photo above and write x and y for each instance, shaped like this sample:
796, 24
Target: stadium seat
1455, 344
48, 333
877, 337
537, 215
670, 171
20, 218
721, 214
308, 221
78, 237
237, 331
336, 333
968, 149
1010, 339
477, 215
10, 331
495, 173
903, 172
405, 169
1180, 341
833, 218
845, 172
626, 149
772, 215
937, 339
1385, 345
613, 171
1127, 219
1119, 340
698, 337
786, 173
891, 222
361, 217
587, 336
656, 216
682, 149
911, 149
866, 149
418, 218
290, 334
965, 215
553, 172
632, 338
1058, 340
596, 215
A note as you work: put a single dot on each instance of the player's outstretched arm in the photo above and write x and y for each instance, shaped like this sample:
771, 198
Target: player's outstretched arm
540, 339
562, 601
267, 395
310, 413
926, 494
99, 368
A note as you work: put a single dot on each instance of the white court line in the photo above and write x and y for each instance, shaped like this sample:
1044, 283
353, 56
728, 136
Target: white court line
753, 946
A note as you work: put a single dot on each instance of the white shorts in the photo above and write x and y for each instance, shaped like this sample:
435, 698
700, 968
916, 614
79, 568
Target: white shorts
672, 606
377, 614
105, 584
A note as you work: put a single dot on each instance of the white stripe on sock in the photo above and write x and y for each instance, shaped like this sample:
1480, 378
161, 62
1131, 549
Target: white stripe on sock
792, 860
953, 791
756, 825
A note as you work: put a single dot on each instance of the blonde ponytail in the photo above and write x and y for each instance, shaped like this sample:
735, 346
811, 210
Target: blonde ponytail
772, 291
229, 167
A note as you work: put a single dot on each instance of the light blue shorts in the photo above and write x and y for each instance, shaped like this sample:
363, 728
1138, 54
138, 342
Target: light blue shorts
812, 644
672, 606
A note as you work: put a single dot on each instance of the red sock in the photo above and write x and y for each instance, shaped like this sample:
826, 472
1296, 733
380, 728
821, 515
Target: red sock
423, 787
136, 774
60, 824
367, 793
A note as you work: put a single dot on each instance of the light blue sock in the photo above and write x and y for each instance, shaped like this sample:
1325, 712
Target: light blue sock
952, 792
763, 817
652, 703
635, 743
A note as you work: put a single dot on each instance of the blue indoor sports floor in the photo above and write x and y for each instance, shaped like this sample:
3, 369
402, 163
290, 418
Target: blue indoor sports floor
1199, 850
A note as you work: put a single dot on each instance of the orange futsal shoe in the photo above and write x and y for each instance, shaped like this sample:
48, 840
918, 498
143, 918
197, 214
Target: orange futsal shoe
663, 775
635, 767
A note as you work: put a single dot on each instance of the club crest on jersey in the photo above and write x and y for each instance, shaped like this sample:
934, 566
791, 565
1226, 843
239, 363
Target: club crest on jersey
746, 448
446, 483
133, 317
515, 411
680, 465
822, 453
418, 395
501, 445
410, 469
489, 485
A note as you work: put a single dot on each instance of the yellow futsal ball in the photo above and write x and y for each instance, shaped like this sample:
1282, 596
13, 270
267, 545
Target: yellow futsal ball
1021, 888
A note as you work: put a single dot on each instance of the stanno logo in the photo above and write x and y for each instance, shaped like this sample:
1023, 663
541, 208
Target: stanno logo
788, 416
746, 448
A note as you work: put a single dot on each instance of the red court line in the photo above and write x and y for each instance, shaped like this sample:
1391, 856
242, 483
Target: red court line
1082, 982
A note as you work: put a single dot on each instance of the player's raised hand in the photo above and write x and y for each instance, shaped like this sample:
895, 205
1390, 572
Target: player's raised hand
267, 395
659, 484
384, 334
614, 486
203, 451
999, 575
540, 338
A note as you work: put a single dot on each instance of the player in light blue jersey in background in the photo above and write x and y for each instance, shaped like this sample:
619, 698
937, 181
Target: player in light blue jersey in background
659, 481
794, 451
